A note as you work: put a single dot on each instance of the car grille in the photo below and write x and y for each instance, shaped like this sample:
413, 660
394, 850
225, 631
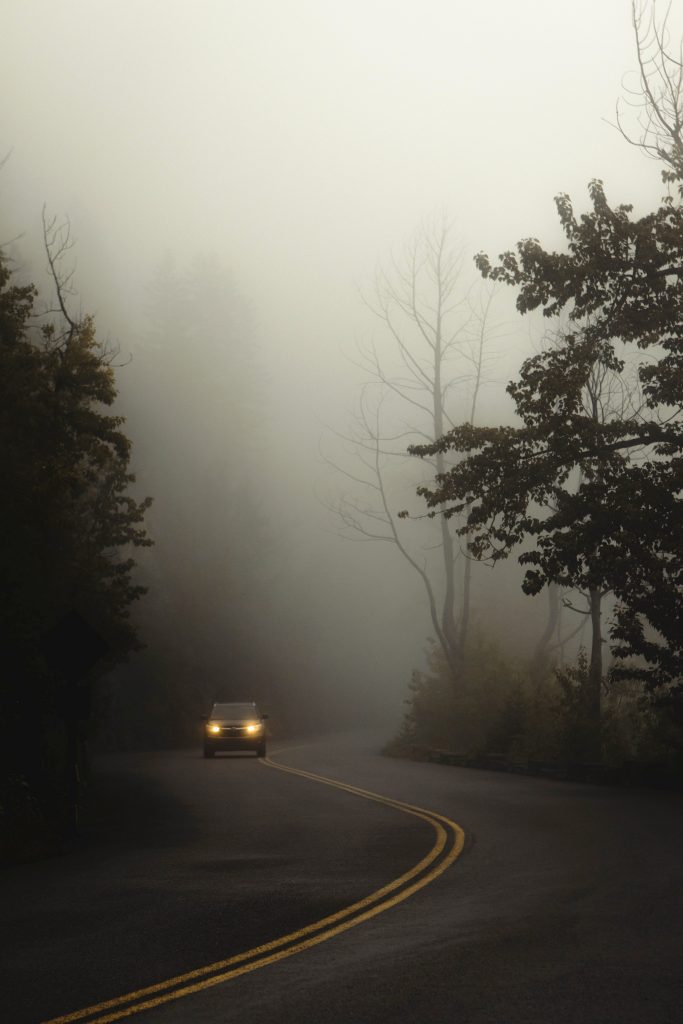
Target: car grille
233, 730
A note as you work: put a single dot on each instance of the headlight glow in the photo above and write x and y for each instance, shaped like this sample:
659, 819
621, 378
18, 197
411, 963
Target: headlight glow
253, 726
214, 728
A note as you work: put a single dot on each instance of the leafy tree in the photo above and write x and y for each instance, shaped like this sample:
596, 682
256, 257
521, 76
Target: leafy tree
67, 523
620, 528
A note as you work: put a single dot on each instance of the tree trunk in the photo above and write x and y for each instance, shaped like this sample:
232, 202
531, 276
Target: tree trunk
466, 592
595, 667
539, 661
448, 623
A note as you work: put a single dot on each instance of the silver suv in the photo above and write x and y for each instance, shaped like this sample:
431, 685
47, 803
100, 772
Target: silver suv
234, 727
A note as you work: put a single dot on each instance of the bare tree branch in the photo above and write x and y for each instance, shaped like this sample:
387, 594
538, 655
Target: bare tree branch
432, 360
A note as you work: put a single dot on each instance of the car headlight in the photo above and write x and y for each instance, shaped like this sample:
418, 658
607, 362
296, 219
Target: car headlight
253, 726
214, 728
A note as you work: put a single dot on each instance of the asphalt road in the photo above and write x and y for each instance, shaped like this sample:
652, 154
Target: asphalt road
564, 905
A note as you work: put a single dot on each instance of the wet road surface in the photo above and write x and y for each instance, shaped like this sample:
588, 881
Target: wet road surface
566, 904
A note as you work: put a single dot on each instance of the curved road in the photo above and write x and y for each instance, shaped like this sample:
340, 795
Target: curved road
565, 904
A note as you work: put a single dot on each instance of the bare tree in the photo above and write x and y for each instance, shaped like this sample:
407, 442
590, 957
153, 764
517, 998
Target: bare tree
658, 95
425, 375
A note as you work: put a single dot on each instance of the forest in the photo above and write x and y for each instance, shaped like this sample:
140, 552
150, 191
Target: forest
583, 489
151, 562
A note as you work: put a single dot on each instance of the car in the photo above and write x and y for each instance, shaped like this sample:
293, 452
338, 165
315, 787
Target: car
234, 726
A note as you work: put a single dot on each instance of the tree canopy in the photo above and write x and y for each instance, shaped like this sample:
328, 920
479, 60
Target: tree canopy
67, 522
590, 497
620, 528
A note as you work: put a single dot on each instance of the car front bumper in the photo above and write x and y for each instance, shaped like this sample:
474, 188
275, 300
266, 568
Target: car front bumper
234, 741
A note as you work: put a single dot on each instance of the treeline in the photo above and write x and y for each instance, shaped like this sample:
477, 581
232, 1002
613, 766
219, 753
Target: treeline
68, 524
585, 489
188, 377
215, 620
505, 716
191, 397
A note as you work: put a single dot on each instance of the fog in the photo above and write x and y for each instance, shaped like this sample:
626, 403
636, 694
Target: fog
274, 154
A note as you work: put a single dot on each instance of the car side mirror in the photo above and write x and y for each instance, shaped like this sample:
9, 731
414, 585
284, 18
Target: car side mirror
203, 718
263, 717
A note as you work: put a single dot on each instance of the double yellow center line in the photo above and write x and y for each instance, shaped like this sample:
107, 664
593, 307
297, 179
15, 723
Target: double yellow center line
448, 845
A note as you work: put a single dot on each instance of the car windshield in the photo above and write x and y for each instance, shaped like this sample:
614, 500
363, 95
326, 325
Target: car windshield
234, 711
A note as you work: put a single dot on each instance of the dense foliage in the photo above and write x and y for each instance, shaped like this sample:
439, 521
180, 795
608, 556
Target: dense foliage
67, 524
509, 719
586, 489
621, 527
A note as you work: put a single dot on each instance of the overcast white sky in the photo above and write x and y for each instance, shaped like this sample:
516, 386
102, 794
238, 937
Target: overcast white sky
301, 140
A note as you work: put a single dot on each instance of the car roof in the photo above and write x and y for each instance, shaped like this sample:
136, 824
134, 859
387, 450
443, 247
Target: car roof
234, 707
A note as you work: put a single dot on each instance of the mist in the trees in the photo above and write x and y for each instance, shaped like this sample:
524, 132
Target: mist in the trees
234, 176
